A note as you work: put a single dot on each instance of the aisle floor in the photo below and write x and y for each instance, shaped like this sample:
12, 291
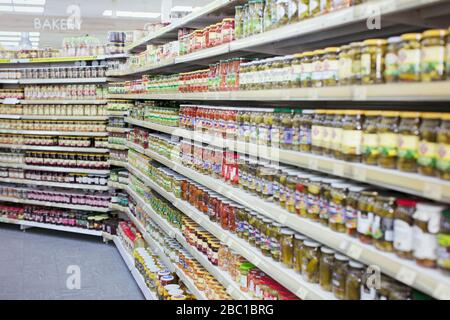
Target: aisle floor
34, 265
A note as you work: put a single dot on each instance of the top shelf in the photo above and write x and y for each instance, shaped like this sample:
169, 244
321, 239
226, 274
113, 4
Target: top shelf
62, 59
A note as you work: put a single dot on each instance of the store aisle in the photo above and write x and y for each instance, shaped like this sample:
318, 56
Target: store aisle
33, 265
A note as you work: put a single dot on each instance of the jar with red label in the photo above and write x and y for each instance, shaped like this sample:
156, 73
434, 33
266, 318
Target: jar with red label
227, 30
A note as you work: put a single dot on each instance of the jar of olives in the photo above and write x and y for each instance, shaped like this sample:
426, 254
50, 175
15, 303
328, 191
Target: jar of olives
305, 130
307, 68
408, 142
296, 71
317, 68
353, 281
298, 251
336, 209
314, 189
336, 133
372, 61
317, 126
355, 55
365, 215
433, 55
352, 136
265, 236
275, 241
326, 267
427, 151
339, 275
325, 199
288, 133
383, 223
345, 65
351, 209
403, 227
326, 134
388, 139
291, 182
391, 60
287, 247
443, 237
409, 57
370, 137
443, 140
330, 73
310, 261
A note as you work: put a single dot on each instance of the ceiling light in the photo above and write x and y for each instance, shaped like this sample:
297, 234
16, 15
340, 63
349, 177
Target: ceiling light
6, 8
3, 38
132, 14
34, 39
34, 34
9, 43
32, 2
10, 33
5, 1
28, 9
107, 13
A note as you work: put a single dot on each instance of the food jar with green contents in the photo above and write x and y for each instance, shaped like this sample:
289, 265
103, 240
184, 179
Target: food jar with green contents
372, 61
443, 140
330, 73
339, 275
391, 71
433, 55
257, 17
408, 142
388, 139
276, 129
428, 148
325, 199
282, 11
306, 69
268, 179
303, 9
336, 209
244, 271
251, 175
238, 22
298, 251
256, 119
370, 147
241, 221
252, 220
326, 266
317, 124
353, 280
265, 127
310, 261
267, 16
291, 182
293, 11
288, 133
366, 203
305, 130
351, 209
352, 136
336, 134
403, 227
345, 66
355, 55
287, 247
296, 71
409, 57
443, 238
279, 185
326, 135
242, 162
317, 68
301, 193
296, 122
275, 74
264, 244
275, 241
383, 223
314, 189
257, 230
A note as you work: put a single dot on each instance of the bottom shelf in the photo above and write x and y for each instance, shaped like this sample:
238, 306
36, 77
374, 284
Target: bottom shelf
148, 294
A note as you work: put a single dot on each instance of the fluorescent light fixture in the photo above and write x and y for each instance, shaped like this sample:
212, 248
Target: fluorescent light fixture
34, 39
132, 14
2, 38
28, 9
34, 34
6, 8
9, 43
107, 13
10, 33
32, 2
5, 1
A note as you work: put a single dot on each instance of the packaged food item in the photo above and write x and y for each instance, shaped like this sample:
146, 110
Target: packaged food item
388, 139
409, 57
337, 207
310, 261
330, 70
433, 55
370, 147
366, 215
392, 60
408, 142
287, 247
443, 140
443, 238
372, 61
326, 268
352, 136
298, 251
383, 224
403, 227
345, 65
353, 281
339, 275
428, 148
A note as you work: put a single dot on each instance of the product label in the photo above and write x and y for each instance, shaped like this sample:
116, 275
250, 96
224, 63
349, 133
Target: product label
351, 217
366, 65
263, 135
305, 135
316, 135
336, 213
306, 71
443, 161
391, 64
382, 228
403, 236
408, 146
313, 7
303, 10
433, 60
370, 144
326, 137
288, 136
330, 70
351, 142
365, 220
345, 68
317, 71
409, 61
427, 153
425, 244
388, 144
336, 139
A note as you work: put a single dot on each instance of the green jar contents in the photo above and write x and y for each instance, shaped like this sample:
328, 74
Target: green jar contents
252, 228
317, 125
336, 133
314, 189
310, 261
244, 271
355, 55
428, 148
305, 130
345, 65
317, 68
325, 199
339, 276
383, 223
257, 23
265, 128
291, 182
443, 238
296, 71
288, 132
330, 67
388, 139
365, 215
287, 247
372, 61
238, 22
433, 55
298, 251
408, 142
275, 241
279, 184
264, 244
327, 131
351, 209
409, 57
403, 227
370, 147
443, 140
336, 207
352, 136
353, 281
307, 68
391, 60
326, 267
296, 122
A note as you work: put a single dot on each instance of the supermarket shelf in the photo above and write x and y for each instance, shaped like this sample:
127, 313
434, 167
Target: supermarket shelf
112, 113
11, 116
405, 92
55, 184
117, 146
411, 183
52, 227
117, 130
54, 204
127, 258
63, 101
62, 59
118, 207
117, 163
432, 282
52, 169
53, 148
148, 294
9, 81
285, 276
59, 81
47, 117
117, 185
55, 133
138, 71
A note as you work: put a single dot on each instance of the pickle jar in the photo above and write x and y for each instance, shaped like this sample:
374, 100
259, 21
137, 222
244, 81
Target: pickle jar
326, 267
275, 241
427, 151
314, 189
317, 125
370, 146
296, 71
302, 197
403, 227
310, 261
426, 226
352, 136
391, 60
303, 9
409, 57
443, 237
287, 247
330, 66
287, 134
337, 206
365, 215
296, 137
345, 66
325, 199
289, 194
353, 280
279, 186
317, 68
282, 12
238, 21
388, 139
383, 223
264, 243
252, 220
326, 134
443, 140
298, 251
305, 130
351, 209
447, 58
372, 61
433, 55
336, 133
339, 275
408, 142
355, 55
306, 69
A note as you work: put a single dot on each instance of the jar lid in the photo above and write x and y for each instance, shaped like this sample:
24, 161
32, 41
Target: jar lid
390, 114
318, 52
331, 49
392, 40
445, 116
308, 53
307, 111
406, 202
429, 207
287, 232
372, 113
411, 36
311, 244
356, 44
341, 257
356, 264
327, 250
170, 287
410, 114
434, 33
299, 236
374, 42
179, 297
357, 188
431, 115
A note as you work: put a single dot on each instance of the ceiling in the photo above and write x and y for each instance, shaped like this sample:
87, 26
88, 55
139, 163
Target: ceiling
48, 23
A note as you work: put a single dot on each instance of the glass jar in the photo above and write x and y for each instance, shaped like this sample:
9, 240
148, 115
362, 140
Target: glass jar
264, 244
372, 61
317, 68
339, 275
365, 215
291, 183
310, 261
443, 238
307, 68
336, 133
336, 209
383, 223
433, 55
409, 57
326, 267
370, 137
427, 151
351, 209
408, 142
257, 17
268, 13
443, 140
391, 60
287, 247
326, 135
353, 281
305, 130
330, 73
238, 21
282, 12
298, 252
355, 55
426, 226
317, 131
345, 66
275, 241
388, 139
403, 227
352, 136
287, 133
314, 189
296, 71
303, 10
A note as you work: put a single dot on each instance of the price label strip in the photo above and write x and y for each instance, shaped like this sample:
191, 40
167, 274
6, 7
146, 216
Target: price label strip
406, 276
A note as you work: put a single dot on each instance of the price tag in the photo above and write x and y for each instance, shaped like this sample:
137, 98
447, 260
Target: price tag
442, 292
433, 191
338, 169
360, 93
302, 293
354, 251
406, 276
313, 164
10, 101
359, 173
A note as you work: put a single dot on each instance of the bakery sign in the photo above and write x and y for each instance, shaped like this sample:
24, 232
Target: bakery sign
69, 23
